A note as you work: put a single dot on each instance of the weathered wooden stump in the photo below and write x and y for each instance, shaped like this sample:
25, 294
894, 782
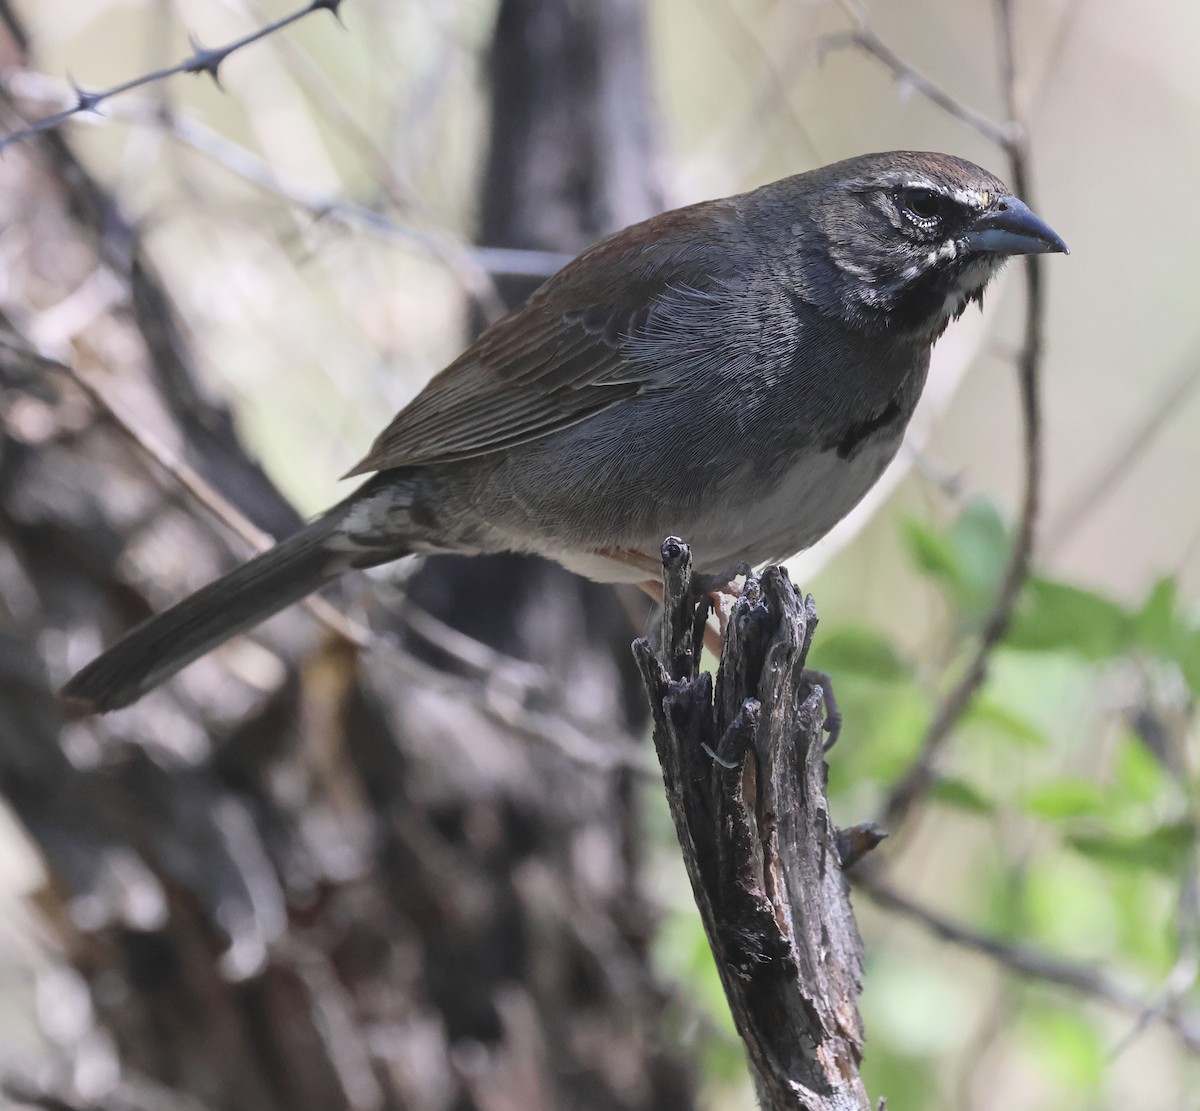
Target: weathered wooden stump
745, 778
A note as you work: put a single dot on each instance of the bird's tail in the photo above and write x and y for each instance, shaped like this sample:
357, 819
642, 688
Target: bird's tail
160, 646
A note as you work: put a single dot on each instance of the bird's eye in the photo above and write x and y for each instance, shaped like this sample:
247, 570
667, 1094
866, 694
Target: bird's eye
922, 205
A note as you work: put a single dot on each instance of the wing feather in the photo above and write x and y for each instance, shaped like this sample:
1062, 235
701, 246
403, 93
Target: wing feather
569, 351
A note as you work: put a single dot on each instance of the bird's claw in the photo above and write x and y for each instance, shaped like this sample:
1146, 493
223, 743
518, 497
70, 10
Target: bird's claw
833, 715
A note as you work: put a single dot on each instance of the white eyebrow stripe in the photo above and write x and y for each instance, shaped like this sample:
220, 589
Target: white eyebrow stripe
971, 197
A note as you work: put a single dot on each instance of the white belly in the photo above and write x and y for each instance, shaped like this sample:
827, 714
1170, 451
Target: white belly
806, 504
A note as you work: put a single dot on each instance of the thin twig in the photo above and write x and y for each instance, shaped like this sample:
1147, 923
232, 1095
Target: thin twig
739, 143
864, 38
1029, 962
201, 60
870, 43
328, 99
919, 778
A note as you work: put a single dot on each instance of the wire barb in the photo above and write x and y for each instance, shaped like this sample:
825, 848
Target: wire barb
205, 61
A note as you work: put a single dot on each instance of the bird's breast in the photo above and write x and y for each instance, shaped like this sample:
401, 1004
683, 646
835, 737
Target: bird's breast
770, 521
753, 471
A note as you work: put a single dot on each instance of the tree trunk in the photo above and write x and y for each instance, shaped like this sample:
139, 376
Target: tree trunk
306, 877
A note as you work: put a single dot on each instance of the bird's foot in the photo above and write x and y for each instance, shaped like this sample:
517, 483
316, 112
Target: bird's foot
723, 591
724, 582
833, 715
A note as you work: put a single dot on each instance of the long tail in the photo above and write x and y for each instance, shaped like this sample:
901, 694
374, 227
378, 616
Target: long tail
160, 646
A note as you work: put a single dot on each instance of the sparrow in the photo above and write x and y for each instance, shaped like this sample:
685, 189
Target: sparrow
738, 372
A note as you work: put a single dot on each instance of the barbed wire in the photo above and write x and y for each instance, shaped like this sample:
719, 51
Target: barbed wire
202, 60
473, 264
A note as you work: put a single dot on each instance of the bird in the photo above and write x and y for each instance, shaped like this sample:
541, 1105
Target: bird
737, 372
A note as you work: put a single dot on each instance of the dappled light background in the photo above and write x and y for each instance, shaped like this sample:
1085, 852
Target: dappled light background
314, 217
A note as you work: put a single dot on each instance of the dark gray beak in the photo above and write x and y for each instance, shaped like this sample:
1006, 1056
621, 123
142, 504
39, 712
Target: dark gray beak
1010, 228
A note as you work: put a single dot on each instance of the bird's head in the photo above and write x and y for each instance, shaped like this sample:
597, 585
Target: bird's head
904, 241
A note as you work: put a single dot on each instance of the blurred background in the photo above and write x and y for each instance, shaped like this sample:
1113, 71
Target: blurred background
312, 221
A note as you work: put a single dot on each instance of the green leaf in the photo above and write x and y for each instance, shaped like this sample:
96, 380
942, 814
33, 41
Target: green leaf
859, 651
996, 717
932, 552
1053, 616
885, 723
1188, 658
1138, 773
1146, 906
1163, 849
968, 557
981, 542
1065, 798
962, 795
1161, 628
1068, 903
1154, 626
1068, 1047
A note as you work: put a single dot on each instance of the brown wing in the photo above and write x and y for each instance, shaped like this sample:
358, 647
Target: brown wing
564, 355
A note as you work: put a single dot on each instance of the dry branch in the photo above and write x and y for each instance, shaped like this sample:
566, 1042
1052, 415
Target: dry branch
914, 785
745, 779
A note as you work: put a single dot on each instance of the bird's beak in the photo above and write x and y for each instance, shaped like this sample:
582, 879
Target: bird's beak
1010, 228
